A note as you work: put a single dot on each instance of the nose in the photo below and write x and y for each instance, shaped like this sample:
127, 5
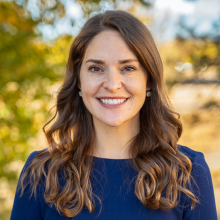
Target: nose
113, 81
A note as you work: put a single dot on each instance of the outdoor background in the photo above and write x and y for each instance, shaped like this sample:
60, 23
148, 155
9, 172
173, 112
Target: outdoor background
35, 36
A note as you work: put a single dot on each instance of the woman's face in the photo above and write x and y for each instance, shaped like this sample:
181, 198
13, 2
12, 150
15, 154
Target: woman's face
112, 80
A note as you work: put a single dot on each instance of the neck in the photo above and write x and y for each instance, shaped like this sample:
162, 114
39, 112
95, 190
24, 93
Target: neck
115, 142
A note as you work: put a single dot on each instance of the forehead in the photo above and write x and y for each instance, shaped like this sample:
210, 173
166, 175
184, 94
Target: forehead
109, 45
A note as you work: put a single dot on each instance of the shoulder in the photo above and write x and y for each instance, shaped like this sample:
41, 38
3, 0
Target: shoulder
200, 169
201, 186
196, 157
31, 157
192, 154
33, 154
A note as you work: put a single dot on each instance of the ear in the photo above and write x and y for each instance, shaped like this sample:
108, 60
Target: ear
79, 85
148, 87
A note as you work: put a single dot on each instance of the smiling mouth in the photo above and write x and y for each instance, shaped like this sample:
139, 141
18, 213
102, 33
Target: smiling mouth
113, 101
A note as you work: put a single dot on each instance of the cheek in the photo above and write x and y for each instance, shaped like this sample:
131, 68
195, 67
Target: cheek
89, 86
137, 87
86, 83
88, 89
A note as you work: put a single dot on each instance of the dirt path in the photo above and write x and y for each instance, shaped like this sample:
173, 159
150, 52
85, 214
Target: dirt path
213, 160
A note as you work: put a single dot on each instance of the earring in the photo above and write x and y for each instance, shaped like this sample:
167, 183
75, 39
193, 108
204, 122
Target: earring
80, 93
148, 94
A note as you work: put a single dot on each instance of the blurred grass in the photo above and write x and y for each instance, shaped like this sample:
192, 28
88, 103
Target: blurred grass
201, 130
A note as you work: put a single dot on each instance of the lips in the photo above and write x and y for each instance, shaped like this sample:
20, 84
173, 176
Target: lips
112, 97
112, 102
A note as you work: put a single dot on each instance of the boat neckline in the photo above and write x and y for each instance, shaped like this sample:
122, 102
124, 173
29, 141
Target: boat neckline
113, 159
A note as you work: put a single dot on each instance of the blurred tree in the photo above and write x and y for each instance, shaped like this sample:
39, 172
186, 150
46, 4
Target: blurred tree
26, 72
207, 44
49, 13
202, 49
193, 57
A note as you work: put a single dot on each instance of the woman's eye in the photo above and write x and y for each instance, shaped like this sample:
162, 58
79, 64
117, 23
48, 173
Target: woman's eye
129, 68
94, 69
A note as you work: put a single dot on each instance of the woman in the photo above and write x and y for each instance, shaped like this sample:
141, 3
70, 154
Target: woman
112, 151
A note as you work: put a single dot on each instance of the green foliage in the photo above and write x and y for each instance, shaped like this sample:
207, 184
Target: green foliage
24, 71
28, 68
203, 49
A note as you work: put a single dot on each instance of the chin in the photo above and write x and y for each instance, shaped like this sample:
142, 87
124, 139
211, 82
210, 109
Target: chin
113, 123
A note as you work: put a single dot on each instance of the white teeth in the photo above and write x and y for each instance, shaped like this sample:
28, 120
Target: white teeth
112, 101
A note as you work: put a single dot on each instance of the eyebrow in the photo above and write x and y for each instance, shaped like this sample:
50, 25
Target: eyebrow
103, 62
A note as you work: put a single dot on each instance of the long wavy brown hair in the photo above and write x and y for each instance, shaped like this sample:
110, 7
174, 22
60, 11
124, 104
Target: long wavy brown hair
160, 165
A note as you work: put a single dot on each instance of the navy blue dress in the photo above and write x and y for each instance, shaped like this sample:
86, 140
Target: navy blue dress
114, 180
